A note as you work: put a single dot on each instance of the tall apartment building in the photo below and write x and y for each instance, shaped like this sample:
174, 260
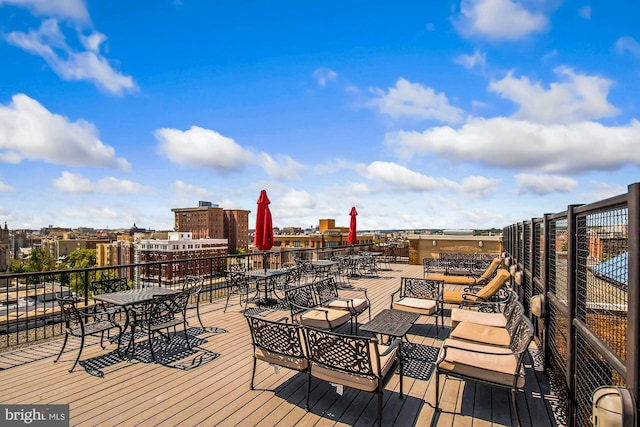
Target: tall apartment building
209, 221
5, 250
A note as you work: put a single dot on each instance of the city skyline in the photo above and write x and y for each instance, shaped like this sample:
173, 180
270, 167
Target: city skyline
467, 114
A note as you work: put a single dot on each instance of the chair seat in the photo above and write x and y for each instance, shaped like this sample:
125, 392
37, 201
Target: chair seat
492, 368
318, 318
358, 304
291, 362
481, 333
416, 305
481, 318
454, 280
92, 328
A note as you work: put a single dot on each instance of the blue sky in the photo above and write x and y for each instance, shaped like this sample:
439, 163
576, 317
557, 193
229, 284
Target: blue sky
421, 114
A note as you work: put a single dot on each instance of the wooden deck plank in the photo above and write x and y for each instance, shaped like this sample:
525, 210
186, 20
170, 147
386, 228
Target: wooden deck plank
135, 392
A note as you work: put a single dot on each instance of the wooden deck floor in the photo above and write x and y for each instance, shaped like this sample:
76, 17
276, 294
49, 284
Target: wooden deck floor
210, 385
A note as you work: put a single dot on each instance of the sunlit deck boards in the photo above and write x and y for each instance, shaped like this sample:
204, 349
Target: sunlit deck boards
210, 386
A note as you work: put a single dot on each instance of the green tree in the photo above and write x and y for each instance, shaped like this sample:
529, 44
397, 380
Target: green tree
80, 258
39, 260
16, 266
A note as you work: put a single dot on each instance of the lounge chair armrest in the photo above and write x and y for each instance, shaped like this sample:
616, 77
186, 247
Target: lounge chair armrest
392, 346
472, 297
476, 351
480, 305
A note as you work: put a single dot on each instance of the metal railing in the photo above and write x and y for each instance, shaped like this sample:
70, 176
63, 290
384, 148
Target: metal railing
29, 310
585, 262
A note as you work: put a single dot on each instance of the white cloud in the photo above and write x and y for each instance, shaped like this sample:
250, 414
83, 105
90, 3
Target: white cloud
585, 12
203, 147
474, 186
517, 144
73, 10
498, 19
577, 97
604, 190
49, 43
5, 188
182, 188
281, 168
408, 99
544, 184
627, 44
73, 183
30, 131
324, 75
399, 176
478, 59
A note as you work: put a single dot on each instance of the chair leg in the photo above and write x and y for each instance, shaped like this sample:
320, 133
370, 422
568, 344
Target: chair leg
64, 344
79, 353
198, 313
306, 406
380, 408
153, 356
437, 388
515, 406
253, 373
186, 335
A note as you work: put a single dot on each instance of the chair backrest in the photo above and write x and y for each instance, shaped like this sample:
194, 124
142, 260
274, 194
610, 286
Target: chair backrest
494, 285
300, 296
521, 338
414, 287
70, 312
495, 263
105, 286
194, 284
326, 290
163, 308
350, 354
277, 337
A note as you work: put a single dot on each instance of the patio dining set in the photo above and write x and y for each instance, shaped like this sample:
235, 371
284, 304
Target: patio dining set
324, 335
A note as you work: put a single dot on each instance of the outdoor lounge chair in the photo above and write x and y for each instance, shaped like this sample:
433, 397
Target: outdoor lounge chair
81, 324
468, 280
328, 296
490, 335
352, 361
495, 366
306, 310
487, 313
488, 291
421, 296
279, 344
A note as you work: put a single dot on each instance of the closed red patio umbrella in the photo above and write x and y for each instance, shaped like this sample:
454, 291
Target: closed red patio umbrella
352, 238
263, 238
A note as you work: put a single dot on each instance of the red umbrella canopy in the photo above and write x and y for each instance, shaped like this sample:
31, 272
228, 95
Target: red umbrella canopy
264, 226
352, 239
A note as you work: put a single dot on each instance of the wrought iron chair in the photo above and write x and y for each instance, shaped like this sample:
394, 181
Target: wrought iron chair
327, 294
495, 366
491, 335
80, 324
306, 311
489, 313
162, 313
279, 344
495, 288
352, 361
238, 284
194, 285
420, 296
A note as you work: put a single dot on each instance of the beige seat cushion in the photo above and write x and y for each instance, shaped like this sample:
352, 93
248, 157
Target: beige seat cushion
497, 369
416, 305
481, 333
318, 318
455, 280
291, 362
359, 304
471, 316
356, 381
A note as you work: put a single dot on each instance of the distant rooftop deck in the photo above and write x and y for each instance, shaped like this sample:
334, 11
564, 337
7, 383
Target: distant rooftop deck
210, 385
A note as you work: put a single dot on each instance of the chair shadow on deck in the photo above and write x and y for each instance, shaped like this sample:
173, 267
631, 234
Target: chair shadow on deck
175, 354
352, 407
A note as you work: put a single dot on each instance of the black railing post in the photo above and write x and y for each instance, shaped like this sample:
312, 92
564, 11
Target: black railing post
572, 241
545, 284
633, 289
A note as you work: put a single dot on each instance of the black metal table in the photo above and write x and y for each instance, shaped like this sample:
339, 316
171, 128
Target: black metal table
130, 298
393, 323
268, 279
